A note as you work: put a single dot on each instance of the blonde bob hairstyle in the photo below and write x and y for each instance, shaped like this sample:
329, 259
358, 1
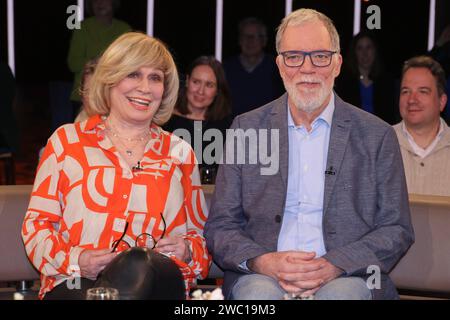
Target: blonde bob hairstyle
128, 53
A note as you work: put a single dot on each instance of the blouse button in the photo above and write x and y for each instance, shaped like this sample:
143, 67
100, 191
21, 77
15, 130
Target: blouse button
125, 196
422, 164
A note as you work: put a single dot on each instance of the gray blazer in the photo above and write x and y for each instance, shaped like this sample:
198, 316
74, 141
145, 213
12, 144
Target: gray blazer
366, 217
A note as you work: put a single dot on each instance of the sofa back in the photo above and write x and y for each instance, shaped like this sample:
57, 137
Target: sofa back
14, 264
426, 266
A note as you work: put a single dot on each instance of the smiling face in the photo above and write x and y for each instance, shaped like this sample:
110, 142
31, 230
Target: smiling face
309, 87
136, 98
201, 87
420, 103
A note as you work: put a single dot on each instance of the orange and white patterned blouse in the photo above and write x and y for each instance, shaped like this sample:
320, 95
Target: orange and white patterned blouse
84, 193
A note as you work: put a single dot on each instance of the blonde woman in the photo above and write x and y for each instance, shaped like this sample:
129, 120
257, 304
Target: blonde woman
117, 180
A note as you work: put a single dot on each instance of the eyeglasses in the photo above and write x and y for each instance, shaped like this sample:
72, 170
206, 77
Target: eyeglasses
144, 240
319, 58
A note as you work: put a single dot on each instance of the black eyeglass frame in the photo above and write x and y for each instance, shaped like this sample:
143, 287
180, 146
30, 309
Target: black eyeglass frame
115, 243
310, 54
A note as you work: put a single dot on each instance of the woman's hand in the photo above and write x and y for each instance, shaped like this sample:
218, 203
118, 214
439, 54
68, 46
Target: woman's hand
92, 262
176, 246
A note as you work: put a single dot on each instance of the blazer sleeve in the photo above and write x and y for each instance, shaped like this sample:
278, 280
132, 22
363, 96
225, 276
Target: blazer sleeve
225, 233
393, 232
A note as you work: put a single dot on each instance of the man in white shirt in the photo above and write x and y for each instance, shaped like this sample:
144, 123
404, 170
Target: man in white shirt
423, 135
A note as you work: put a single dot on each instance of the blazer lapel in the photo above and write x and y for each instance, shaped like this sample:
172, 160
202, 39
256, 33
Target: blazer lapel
279, 121
340, 130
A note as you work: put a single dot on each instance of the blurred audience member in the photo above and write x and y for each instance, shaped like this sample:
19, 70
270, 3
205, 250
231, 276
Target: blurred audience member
441, 49
252, 75
94, 36
364, 82
203, 104
9, 133
424, 137
441, 53
86, 76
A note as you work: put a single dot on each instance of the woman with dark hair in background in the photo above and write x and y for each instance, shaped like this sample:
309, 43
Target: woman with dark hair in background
203, 103
364, 82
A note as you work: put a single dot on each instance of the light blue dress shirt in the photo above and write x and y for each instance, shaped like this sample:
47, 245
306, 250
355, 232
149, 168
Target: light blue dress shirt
308, 151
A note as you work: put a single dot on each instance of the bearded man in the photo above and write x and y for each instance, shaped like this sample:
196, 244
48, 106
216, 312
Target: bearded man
335, 216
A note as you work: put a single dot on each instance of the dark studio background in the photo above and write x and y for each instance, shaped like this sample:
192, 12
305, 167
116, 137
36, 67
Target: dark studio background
188, 28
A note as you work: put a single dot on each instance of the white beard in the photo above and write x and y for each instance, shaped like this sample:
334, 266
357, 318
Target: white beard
309, 100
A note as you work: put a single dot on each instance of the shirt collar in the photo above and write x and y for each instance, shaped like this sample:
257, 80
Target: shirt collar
326, 115
93, 122
415, 147
441, 128
440, 133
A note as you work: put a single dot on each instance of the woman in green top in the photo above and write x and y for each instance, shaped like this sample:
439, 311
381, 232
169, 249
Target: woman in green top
94, 36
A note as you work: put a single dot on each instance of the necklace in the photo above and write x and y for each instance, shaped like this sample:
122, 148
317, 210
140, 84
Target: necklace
128, 149
116, 135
